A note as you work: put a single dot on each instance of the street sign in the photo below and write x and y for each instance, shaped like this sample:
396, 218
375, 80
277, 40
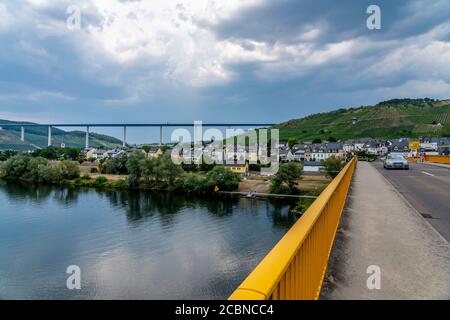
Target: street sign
414, 145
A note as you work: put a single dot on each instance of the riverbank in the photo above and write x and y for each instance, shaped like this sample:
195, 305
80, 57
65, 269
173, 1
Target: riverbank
161, 174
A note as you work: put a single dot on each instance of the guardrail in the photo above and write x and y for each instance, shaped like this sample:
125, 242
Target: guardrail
438, 159
434, 159
296, 266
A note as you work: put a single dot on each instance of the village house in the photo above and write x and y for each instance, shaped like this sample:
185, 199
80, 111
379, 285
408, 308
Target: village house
154, 152
321, 152
399, 146
100, 154
88, 153
312, 166
241, 169
285, 155
299, 155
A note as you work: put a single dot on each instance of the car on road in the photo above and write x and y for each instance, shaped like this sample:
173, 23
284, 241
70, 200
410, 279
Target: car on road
395, 161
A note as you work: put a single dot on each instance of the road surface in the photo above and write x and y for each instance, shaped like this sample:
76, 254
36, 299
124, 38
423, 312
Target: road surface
380, 230
427, 189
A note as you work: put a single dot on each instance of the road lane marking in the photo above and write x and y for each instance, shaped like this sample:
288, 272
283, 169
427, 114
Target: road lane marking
431, 175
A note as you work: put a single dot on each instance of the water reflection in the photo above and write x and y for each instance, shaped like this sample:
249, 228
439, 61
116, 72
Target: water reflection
131, 244
140, 204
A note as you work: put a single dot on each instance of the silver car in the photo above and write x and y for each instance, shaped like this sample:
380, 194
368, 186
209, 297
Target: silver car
395, 161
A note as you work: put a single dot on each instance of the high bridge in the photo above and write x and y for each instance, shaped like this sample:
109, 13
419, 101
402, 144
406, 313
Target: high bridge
88, 126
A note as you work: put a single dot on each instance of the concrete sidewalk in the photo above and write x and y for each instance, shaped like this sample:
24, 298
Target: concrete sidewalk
379, 227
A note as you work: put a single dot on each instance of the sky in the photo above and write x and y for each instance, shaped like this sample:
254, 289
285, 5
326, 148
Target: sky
213, 60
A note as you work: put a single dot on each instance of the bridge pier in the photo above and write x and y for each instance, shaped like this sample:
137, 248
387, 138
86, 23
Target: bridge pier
124, 136
49, 143
22, 134
160, 135
87, 137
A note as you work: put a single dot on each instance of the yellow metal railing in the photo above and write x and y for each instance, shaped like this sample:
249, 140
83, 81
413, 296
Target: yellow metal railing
434, 159
296, 266
438, 159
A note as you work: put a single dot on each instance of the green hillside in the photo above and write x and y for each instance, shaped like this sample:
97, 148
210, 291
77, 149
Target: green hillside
389, 119
37, 137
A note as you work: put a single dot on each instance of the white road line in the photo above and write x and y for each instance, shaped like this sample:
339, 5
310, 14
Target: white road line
431, 175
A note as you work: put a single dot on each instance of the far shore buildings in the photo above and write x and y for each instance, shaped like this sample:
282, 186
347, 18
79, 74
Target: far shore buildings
310, 154
318, 151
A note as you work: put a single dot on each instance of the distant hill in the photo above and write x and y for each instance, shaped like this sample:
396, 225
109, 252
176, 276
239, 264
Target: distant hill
389, 119
37, 137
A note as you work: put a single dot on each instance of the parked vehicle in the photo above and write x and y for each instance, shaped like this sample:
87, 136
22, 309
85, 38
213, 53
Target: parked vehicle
395, 161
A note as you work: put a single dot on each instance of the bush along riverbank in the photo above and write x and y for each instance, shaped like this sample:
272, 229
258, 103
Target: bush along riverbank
158, 174
143, 173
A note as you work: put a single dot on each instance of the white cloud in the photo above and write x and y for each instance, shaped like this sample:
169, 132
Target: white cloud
415, 89
36, 96
167, 34
419, 56
6, 18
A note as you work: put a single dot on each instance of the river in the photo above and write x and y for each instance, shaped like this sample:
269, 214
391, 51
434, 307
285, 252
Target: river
130, 244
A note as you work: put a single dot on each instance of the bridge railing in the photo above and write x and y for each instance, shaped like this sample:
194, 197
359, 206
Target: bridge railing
296, 266
434, 159
438, 159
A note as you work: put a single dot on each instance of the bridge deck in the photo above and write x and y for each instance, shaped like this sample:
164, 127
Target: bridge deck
380, 228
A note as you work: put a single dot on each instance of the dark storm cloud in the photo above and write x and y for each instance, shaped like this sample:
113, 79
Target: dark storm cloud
284, 20
270, 61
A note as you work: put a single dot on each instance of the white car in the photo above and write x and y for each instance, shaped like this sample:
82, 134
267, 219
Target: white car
395, 161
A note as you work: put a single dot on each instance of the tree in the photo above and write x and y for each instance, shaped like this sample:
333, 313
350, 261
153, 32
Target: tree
292, 142
195, 184
5, 155
68, 169
146, 148
116, 165
285, 180
222, 178
135, 164
148, 169
49, 153
33, 167
204, 166
167, 171
317, 140
332, 139
71, 153
49, 173
332, 166
16, 166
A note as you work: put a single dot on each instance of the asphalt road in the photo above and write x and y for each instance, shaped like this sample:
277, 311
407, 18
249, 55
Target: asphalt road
427, 189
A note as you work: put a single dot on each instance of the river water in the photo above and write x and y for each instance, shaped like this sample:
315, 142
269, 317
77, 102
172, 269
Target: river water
130, 244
